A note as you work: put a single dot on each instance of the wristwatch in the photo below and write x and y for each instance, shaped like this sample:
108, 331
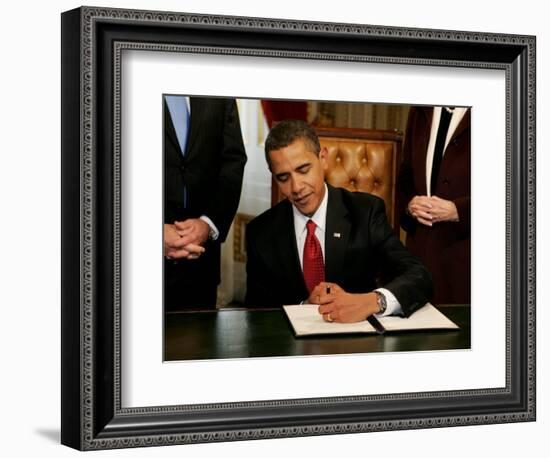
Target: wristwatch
381, 301
211, 233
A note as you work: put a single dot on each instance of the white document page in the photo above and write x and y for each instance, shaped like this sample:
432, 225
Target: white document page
428, 317
306, 320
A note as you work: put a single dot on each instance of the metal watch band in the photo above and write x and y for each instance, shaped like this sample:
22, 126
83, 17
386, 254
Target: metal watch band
381, 301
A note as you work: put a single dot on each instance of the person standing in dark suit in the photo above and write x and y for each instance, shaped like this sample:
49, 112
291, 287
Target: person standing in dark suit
204, 159
433, 197
326, 245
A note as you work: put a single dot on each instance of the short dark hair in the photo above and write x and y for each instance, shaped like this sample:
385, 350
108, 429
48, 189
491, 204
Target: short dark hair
287, 132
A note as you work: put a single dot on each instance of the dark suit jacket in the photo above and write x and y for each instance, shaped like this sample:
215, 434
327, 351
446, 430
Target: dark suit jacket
445, 247
366, 248
211, 171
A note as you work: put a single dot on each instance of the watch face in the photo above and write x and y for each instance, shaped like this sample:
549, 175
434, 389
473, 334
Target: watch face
381, 301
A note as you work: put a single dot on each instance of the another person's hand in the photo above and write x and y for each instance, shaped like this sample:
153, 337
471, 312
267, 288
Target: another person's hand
175, 246
343, 307
420, 209
193, 231
443, 210
429, 210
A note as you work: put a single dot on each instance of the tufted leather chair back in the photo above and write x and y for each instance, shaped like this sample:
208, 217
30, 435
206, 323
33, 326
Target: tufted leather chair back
361, 160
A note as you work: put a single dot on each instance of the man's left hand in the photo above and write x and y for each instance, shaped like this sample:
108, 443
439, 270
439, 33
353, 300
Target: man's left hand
194, 231
443, 210
343, 307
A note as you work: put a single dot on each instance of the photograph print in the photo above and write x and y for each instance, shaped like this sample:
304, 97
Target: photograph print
314, 228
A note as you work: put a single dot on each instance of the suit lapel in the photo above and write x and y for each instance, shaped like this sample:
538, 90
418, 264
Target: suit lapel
197, 109
170, 131
336, 235
286, 251
463, 125
448, 160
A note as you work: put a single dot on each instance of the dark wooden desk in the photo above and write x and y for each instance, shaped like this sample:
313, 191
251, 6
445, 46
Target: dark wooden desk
239, 333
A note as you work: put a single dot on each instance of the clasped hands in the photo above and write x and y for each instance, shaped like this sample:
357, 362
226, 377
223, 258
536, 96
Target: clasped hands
429, 210
185, 239
339, 306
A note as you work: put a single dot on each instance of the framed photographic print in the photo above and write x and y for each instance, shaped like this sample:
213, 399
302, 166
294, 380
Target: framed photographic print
138, 371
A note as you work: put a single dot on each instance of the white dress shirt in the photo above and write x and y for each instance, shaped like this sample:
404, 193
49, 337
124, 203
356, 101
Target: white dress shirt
300, 229
320, 220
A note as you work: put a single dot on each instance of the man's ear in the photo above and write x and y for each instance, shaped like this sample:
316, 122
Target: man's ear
323, 157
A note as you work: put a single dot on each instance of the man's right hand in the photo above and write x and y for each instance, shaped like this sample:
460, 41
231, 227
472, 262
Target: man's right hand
335, 304
175, 247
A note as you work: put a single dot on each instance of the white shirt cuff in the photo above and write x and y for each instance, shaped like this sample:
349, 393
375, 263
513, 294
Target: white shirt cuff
393, 305
208, 221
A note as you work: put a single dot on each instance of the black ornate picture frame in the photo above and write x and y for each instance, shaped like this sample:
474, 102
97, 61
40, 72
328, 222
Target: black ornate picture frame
92, 414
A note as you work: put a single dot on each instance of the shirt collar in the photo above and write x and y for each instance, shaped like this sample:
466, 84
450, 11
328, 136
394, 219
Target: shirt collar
319, 217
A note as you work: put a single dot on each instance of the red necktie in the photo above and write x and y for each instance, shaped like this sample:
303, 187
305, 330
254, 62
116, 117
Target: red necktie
314, 267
